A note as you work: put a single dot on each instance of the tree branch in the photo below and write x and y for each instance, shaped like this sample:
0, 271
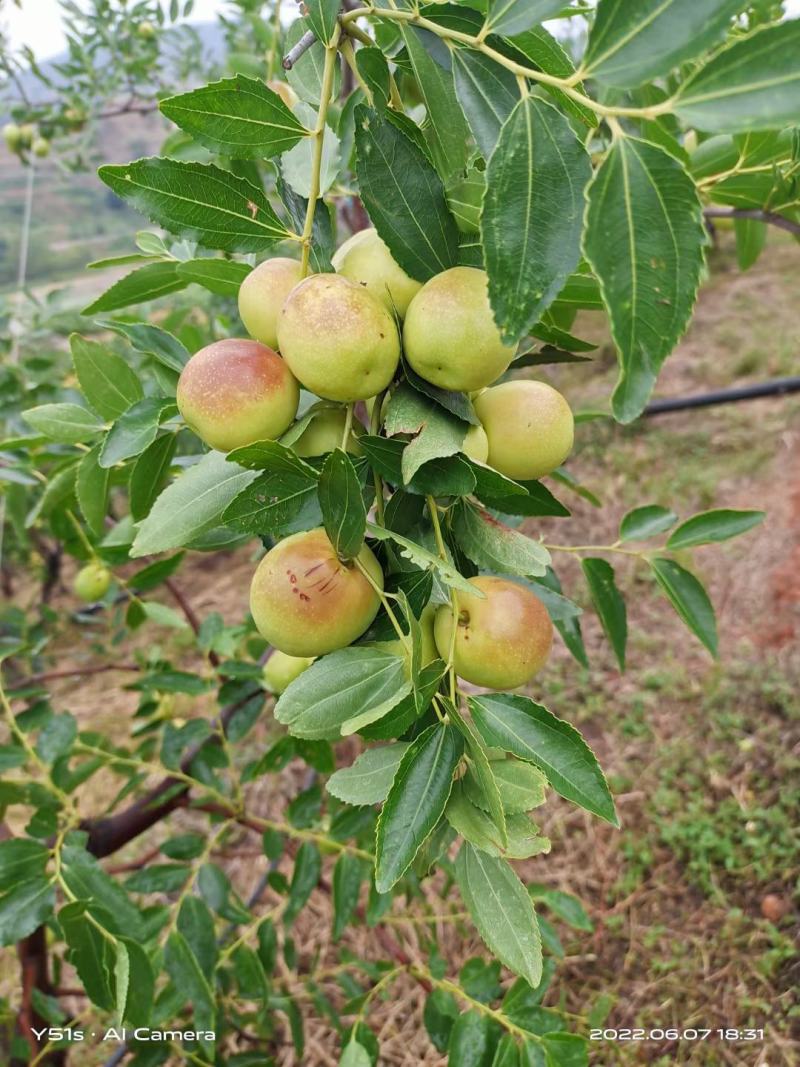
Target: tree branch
771, 218
107, 835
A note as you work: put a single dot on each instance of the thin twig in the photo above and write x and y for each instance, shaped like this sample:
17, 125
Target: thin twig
768, 217
302, 46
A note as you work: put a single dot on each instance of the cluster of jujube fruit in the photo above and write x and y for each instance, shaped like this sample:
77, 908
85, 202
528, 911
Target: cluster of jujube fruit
340, 336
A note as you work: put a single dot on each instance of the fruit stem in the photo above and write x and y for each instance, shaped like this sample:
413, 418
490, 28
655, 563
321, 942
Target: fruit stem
348, 427
350, 59
359, 35
375, 429
433, 508
404, 638
318, 134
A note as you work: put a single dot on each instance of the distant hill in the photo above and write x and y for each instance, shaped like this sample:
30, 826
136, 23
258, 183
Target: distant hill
213, 50
75, 218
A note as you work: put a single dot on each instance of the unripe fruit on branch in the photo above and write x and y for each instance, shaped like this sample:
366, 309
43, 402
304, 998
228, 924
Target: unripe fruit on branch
324, 433
530, 428
305, 601
41, 147
92, 582
501, 640
450, 337
476, 444
339, 341
365, 260
281, 670
261, 297
236, 392
12, 135
146, 30
27, 132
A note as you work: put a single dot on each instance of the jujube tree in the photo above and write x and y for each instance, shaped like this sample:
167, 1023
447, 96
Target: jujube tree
378, 435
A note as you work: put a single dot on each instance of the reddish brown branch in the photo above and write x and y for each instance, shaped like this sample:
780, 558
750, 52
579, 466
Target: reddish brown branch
32, 952
75, 672
109, 834
189, 612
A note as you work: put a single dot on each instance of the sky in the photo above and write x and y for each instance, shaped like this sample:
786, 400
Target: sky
37, 22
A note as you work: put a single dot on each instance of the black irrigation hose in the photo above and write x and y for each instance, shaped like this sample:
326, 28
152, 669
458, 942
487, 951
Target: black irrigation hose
778, 387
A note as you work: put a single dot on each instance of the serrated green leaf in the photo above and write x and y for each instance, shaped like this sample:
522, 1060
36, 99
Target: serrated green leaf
501, 910
532, 214
530, 732
751, 237
421, 557
711, 526
136, 429
191, 505
475, 825
496, 547
149, 473
487, 93
220, 276
633, 43
753, 84
608, 603
91, 489
154, 341
510, 17
21, 860
484, 774
323, 242
196, 924
566, 907
646, 521
191, 983
88, 881
644, 239
106, 380
445, 130
147, 283
416, 802
199, 201
344, 514
63, 422
373, 68
436, 433
239, 117
355, 1055
521, 785
404, 197
368, 780
91, 953
539, 48
689, 598
323, 699
305, 878
322, 15
348, 874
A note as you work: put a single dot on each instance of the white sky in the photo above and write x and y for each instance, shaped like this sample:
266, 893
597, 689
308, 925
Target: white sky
38, 22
